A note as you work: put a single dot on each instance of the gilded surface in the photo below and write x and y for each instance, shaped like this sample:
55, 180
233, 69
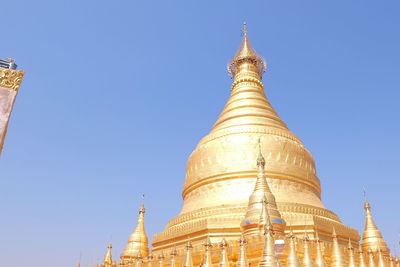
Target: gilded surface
138, 244
232, 179
372, 238
11, 79
221, 171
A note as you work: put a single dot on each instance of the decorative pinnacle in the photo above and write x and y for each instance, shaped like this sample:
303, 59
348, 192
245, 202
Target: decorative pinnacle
189, 245
242, 241
246, 54
208, 243
173, 252
142, 209
260, 158
367, 206
244, 29
291, 235
224, 244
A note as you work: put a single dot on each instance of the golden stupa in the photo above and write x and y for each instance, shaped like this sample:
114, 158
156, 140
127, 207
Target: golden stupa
252, 196
221, 170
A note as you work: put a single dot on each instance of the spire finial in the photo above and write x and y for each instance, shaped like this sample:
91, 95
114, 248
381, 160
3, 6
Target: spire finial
268, 258
264, 216
207, 256
161, 258
173, 254
292, 260
381, 261
224, 255
371, 261
367, 206
307, 261
260, 158
351, 262
246, 54
319, 260
244, 29
337, 256
242, 260
188, 255
361, 257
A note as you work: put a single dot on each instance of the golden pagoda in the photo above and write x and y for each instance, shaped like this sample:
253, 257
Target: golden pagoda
108, 262
138, 244
251, 186
372, 238
221, 171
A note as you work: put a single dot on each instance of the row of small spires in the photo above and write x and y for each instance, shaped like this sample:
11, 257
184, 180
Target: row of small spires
269, 257
264, 224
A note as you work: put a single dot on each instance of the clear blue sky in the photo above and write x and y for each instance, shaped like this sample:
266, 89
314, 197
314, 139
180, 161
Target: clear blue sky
118, 93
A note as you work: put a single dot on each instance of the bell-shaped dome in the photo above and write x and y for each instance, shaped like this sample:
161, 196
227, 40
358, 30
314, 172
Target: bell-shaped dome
138, 244
222, 170
224, 160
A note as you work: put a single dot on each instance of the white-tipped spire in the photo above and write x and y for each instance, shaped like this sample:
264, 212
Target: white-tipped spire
224, 255
173, 255
292, 260
337, 255
351, 262
242, 260
207, 256
361, 257
188, 255
319, 261
371, 260
268, 258
307, 261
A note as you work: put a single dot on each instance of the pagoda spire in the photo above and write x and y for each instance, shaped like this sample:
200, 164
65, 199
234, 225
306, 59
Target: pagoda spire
242, 261
261, 201
207, 256
246, 100
160, 260
264, 216
337, 255
224, 256
319, 261
108, 257
173, 255
246, 54
150, 260
372, 237
351, 262
371, 261
188, 255
292, 260
361, 256
381, 261
391, 261
396, 262
138, 242
307, 261
268, 258
138, 260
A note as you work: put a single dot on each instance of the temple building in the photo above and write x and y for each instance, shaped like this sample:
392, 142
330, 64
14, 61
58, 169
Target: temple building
252, 196
10, 81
